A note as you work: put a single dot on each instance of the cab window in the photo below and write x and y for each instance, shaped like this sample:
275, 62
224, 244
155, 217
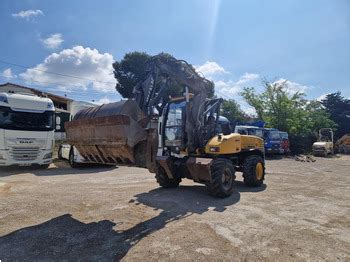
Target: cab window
174, 124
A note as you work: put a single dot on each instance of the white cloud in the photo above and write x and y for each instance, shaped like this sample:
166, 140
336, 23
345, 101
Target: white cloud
209, 69
104, 100
85, 64
230, 89
322, 97
27, 14
8, 73
246, 78
225, 87
292, 87
53, 41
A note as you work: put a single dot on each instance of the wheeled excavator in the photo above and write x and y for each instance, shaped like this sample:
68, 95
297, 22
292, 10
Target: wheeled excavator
173, 137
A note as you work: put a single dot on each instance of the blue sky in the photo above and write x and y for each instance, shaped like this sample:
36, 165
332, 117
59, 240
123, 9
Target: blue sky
234, 43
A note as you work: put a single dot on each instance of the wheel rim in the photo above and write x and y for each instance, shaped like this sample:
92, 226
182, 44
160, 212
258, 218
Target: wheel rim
226, 178
259, 171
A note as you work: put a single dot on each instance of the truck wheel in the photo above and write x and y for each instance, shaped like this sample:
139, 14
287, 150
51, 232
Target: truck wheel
222, 178
72, 163
253, 171
164, 181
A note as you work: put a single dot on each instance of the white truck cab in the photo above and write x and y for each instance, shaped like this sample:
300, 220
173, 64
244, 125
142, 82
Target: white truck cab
26, 130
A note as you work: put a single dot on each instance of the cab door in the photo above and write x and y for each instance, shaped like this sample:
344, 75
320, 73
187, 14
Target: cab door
174, 129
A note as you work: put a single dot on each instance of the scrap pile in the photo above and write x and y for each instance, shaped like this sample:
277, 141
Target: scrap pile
343, 144
304, 158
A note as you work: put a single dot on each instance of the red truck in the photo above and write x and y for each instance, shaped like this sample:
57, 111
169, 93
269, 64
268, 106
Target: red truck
284, 142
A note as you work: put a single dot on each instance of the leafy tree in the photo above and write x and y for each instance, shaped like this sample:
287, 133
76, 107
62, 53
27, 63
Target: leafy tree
289, 112
232, 111
339, 109
129, 71
318, 117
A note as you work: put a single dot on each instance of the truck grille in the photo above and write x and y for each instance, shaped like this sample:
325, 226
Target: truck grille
24, 153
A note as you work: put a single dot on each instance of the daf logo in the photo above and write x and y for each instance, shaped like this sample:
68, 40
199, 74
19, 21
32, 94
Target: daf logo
26, 142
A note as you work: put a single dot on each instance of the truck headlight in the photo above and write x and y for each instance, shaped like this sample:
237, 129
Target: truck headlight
48, 155
2, 157
214, 149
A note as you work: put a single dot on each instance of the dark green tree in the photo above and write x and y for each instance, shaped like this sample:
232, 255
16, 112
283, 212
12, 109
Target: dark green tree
339, 109
133, 68
129, 71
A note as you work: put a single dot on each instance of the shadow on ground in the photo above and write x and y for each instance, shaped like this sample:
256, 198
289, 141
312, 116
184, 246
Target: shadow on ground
66, 238
59, 167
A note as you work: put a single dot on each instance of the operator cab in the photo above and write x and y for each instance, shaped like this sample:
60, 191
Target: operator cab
175, 137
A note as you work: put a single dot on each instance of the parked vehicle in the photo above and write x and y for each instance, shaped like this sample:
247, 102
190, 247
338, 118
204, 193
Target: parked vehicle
271, 137
325, 145
284, 142
71, 153
67, 151
26, 130
272, 141
174, 138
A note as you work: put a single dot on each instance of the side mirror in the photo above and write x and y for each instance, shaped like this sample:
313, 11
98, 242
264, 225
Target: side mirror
58, 120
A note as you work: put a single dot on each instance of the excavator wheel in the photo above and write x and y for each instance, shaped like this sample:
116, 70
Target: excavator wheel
164, 181
222, 178
253, 171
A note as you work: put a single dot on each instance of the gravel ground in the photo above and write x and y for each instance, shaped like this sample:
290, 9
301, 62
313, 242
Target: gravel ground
107, 214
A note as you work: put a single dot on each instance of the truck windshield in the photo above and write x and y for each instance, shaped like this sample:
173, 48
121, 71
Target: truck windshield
15, 120
284, 135
274, 135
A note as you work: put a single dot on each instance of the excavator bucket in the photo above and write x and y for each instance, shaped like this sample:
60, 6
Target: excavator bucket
112, 134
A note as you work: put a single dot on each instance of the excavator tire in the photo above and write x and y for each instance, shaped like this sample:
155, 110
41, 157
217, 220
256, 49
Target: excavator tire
253, 171
222, 178
164, 181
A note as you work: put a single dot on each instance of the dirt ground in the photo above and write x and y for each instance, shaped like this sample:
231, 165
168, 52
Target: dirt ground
107, 214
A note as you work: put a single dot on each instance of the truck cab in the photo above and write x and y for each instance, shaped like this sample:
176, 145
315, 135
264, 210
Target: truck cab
271, 136
272, 141
26, 130
284, 142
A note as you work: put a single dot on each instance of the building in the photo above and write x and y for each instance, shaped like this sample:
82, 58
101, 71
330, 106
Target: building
62, 104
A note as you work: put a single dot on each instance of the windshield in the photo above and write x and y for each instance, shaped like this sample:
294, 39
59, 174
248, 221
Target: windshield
258, 132
173, 128
274, 135
15, 120
284, 135
249, 131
